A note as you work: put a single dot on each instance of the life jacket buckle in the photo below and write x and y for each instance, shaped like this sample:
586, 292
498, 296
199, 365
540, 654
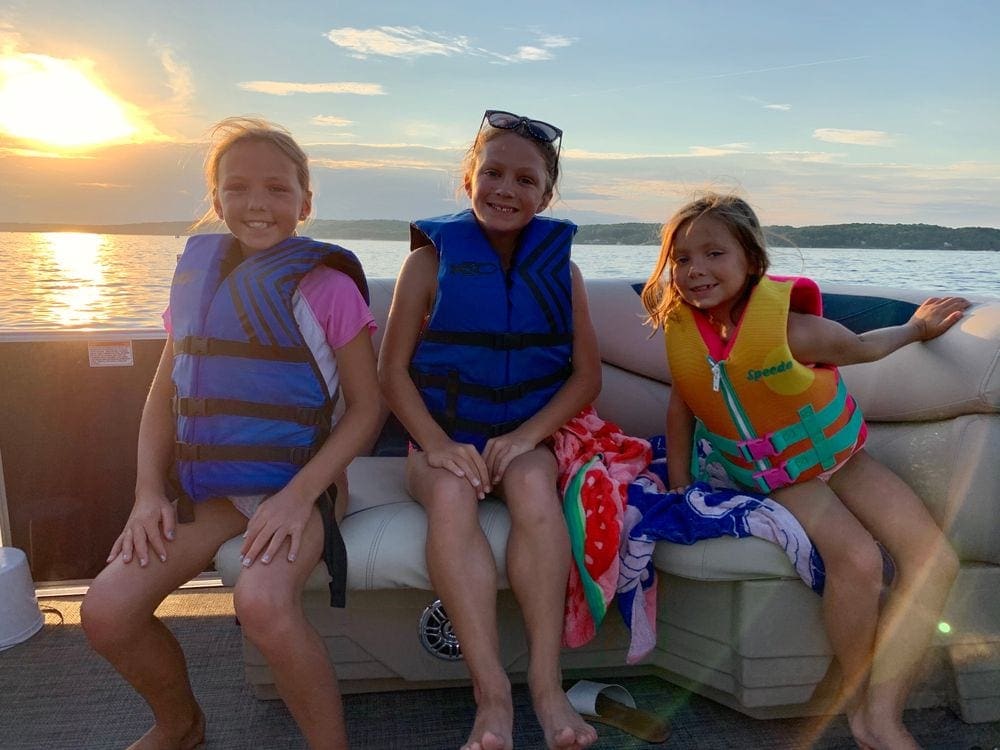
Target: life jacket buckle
757, 448
197, 345
775, 478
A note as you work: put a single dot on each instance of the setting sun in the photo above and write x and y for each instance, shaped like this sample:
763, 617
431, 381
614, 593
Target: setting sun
60, 104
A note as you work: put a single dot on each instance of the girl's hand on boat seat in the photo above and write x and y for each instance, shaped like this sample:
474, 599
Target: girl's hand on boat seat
462, 460
501, 450
150, 525
937, 315
282, 516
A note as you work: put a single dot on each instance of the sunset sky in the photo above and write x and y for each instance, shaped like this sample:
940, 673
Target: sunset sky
819, 113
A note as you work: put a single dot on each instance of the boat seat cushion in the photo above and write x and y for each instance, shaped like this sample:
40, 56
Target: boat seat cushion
385, 532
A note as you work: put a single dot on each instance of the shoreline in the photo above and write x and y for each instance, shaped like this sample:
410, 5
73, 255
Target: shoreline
828, 236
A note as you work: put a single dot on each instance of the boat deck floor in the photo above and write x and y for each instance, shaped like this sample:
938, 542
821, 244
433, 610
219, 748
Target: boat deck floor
57, 694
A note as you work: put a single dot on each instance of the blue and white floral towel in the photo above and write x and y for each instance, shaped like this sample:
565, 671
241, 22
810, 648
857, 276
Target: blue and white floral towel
701, 512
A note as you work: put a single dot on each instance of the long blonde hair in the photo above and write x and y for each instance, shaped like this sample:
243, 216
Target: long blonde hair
660, 295
232, 130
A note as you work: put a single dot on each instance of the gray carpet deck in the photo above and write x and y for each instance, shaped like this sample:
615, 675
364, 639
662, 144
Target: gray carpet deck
56, 694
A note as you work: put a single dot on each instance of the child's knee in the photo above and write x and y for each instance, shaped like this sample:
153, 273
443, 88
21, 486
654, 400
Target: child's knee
262, 612
858, 564
937, 564
103, 619
948, 564
531, 475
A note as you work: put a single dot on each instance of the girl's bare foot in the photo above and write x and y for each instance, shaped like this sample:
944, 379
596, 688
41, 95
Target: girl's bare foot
188, 737
564, 728
494, 725
874, 733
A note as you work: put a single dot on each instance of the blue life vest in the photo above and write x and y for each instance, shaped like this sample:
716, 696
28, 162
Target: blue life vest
498, 345
250, 401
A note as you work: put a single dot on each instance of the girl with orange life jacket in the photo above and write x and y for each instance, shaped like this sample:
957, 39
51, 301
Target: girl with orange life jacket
757, 396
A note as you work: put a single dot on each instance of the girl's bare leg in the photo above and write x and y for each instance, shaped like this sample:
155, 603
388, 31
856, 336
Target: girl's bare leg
117, 617
538, 560
853, 566
268, 599
926, 567
463, 572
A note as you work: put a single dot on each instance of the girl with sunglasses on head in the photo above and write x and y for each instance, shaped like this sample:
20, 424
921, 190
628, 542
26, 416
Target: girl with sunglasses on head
488, 350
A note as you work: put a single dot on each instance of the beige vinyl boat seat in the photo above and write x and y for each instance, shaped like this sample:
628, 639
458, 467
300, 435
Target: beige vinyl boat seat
734, 621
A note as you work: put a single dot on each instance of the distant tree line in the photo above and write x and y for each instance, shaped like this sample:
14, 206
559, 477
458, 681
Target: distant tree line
887, 236
882, 236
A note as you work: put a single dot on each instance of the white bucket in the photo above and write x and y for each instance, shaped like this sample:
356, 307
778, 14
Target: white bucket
20, 617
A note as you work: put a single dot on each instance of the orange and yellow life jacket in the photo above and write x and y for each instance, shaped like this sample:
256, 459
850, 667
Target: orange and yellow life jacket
771, 421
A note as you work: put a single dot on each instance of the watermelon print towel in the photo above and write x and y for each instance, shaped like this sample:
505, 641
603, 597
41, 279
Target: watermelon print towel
597, 463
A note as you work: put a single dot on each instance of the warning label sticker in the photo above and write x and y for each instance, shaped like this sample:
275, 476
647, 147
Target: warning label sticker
110, 354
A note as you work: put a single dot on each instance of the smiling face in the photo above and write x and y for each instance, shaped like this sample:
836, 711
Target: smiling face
508, 185
259, 195
709, 267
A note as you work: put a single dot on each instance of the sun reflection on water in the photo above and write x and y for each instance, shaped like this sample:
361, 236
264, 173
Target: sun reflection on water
75, 295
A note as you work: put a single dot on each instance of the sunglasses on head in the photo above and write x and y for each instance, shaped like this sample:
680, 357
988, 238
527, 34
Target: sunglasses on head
540, 131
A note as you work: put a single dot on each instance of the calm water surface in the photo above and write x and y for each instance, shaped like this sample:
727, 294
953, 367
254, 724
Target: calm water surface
102, 281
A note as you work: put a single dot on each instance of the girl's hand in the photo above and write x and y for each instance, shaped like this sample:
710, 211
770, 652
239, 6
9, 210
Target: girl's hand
500, 451
150, 524
937, 315
281, 516
462, 460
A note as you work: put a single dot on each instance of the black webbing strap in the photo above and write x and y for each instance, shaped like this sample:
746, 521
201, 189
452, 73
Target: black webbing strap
498, 341
485, 392
334, 550
209, 407
207, 452
209, 347
488, 429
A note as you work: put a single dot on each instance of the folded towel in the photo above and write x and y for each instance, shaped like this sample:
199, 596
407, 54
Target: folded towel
701, 512
597, 463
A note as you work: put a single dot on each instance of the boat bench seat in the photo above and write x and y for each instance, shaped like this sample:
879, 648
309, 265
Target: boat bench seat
734, 621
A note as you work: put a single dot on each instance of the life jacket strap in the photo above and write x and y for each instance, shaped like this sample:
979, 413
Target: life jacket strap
501, 395
211, 347
208, 452
785, 473
334, 549
487, 429
210, 407
498, 341
810, 425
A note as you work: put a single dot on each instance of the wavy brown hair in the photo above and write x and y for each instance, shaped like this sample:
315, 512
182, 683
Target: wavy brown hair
660, 295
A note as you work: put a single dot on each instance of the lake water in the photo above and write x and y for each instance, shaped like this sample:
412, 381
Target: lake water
63, 281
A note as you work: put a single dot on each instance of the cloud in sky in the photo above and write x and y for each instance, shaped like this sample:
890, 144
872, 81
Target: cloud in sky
331, 120
853, 137
553, 41
778, 107
396, 41
284, 88
179, 78
414, 41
